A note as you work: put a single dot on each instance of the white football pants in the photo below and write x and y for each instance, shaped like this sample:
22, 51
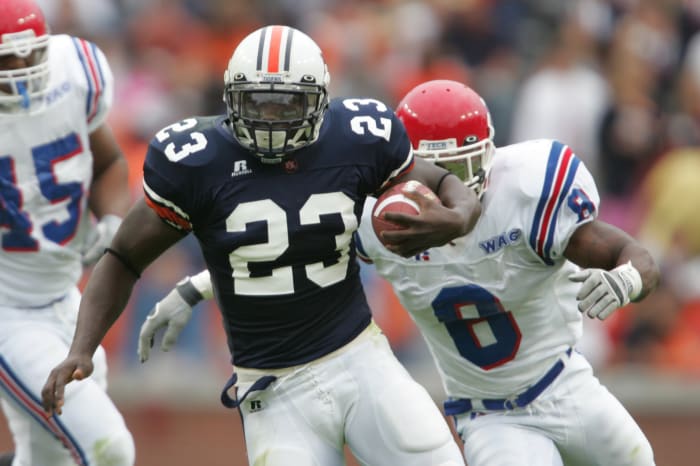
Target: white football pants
360, 395
576, 421
90, 431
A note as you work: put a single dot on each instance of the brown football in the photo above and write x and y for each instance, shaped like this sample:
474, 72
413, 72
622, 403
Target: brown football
393, 200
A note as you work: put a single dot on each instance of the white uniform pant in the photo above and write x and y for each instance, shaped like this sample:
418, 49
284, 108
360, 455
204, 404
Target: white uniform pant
90, 431
359, 395
576, 421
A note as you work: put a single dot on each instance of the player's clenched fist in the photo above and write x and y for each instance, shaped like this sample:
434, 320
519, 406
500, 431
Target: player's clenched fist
72, 368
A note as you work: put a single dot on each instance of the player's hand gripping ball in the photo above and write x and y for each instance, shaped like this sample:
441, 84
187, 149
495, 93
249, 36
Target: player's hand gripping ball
394, 200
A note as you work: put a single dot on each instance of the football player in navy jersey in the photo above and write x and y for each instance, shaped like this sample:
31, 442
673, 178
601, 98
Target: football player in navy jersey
273, 191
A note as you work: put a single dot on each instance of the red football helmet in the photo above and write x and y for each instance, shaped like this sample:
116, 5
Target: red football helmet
24, 39
449, 124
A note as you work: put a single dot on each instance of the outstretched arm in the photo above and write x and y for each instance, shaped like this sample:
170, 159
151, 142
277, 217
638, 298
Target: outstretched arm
141, 238
616, 268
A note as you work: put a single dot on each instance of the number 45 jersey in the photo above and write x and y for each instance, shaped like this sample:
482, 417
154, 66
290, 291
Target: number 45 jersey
277, 238
45, 175
496, 306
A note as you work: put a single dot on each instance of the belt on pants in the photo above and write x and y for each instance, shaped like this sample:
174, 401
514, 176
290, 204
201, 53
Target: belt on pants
261, 384
457, 406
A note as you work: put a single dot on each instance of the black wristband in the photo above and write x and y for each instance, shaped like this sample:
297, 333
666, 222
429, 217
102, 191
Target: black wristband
189, 293
124, 261
439, 183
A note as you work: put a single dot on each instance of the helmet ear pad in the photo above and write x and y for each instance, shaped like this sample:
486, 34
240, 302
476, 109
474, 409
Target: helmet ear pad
276, 92
24, 33
448, 123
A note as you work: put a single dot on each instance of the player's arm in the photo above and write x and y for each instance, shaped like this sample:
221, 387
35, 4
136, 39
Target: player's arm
109, 192
173, 312
616, 268
109, 197
438, 223
141, 238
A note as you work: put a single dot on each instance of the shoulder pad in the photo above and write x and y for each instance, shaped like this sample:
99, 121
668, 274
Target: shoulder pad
365, 119
187, 141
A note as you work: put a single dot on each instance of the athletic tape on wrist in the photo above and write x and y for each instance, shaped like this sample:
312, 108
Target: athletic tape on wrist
631, 278
189, 293
202, 281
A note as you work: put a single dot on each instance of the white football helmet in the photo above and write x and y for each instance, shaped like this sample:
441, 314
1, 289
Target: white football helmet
24, 66
276, 91
449, 124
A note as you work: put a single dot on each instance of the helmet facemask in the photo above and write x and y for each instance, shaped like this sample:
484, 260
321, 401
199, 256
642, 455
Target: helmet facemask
274, 119
21, 88
470, 161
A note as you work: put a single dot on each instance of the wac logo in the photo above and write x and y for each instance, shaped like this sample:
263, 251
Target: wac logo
498, 242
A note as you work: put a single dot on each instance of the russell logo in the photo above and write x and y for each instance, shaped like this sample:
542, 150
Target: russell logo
255, 406
240, 168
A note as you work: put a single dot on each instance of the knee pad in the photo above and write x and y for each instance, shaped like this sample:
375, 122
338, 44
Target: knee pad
413, 422
117, 450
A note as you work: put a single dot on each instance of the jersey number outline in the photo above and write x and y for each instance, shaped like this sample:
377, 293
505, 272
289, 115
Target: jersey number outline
199, 140
281, 280
484, 332
18, 221
359, 123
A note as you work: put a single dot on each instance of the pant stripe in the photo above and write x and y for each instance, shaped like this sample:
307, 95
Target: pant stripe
14, 387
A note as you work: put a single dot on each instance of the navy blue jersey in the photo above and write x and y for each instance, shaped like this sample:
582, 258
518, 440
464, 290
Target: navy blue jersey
277, 238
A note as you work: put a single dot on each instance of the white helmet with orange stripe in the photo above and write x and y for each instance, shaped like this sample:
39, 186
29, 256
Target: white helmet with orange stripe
276, 91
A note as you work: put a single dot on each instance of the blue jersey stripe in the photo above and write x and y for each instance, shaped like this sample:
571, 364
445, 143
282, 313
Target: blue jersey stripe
572, 167
98, 65
552, 196
544, 196
82, 58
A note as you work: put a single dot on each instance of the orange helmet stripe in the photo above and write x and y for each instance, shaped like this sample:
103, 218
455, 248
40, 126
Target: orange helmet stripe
273, 59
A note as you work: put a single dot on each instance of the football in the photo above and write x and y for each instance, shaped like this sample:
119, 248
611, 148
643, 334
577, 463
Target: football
393, 200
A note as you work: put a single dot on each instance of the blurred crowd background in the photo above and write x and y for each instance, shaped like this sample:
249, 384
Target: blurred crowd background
617, 80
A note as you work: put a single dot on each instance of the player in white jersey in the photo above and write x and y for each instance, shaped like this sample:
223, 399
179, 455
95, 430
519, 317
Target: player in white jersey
58, 162
501, 309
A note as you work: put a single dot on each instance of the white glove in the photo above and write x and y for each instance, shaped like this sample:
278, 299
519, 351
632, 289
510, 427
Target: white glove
173, 311
99, 238
604, 291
